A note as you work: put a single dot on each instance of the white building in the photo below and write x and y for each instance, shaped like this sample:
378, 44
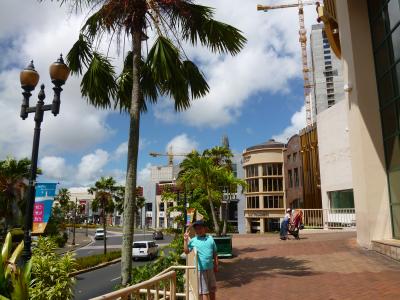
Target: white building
335, 157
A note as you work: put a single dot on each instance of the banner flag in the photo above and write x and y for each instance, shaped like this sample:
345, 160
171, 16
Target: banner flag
44, 196
190, 215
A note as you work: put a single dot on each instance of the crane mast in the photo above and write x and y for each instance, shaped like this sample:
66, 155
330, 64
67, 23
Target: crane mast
303, 43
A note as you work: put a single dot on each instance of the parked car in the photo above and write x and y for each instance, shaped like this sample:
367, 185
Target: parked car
99, 234
144, 249
158, 235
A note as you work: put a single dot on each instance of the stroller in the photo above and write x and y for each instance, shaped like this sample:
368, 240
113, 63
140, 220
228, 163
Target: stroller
296, 223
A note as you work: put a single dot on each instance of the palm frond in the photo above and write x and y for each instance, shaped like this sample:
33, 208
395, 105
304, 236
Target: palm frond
197, 83
94, 25
98, 84
148, 86
197, 25
80, 55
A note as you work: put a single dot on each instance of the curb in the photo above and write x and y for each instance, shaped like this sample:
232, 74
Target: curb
102, 265
77, 247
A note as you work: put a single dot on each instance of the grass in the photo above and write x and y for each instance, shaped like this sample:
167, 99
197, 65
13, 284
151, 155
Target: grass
94, 260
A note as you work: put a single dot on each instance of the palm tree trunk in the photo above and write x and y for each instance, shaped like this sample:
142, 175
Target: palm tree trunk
216, 226
225, 213
133, 147
105, 230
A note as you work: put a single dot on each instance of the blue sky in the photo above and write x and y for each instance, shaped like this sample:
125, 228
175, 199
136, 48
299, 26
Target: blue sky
254, 96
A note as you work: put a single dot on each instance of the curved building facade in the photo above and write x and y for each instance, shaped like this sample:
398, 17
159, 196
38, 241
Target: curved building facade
265, 193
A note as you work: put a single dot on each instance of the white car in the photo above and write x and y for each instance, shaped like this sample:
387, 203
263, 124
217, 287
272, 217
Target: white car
99, 235
144, 249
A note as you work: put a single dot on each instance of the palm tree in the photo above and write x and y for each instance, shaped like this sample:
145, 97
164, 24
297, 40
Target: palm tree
64, 197
165, 71
105, 190
140, 203
231, 183
13, 184
200, 171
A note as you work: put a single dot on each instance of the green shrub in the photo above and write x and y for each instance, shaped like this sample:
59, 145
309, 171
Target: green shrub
94, 260
59, 239
50, 273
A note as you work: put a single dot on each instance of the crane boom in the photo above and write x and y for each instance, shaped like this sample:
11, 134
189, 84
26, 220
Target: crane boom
170, 155
303, 43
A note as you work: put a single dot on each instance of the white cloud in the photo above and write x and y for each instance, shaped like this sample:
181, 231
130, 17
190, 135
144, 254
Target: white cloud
54, 167
297, 122
30, 30
91, 166
121, 150
181, 144
269, 61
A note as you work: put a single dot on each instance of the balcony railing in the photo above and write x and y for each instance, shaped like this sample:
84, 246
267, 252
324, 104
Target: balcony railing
162, 286
329, 218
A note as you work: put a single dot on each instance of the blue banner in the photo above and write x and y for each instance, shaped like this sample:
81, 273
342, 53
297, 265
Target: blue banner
44, 197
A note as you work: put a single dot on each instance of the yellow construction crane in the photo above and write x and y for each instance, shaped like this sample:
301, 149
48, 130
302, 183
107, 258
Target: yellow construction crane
170, 155
303, 42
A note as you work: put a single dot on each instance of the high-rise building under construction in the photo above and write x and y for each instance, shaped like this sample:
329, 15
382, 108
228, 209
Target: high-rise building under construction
326, 72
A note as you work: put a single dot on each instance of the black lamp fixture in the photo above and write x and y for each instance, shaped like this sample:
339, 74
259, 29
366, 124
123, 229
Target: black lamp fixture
29, 78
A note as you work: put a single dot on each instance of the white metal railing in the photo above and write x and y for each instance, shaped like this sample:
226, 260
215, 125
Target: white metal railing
163, 285
329, 218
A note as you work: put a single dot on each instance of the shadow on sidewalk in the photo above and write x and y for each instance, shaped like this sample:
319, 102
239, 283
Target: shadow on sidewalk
245, 270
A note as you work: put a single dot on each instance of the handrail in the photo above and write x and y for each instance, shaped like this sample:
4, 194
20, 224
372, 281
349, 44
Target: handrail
126, 292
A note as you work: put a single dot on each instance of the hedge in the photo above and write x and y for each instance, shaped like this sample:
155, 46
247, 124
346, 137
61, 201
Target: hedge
96, 259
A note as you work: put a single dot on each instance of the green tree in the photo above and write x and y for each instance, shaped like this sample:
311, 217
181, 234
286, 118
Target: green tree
230, 184
13, 174
201, 171
105, 190
165, 71
140, 203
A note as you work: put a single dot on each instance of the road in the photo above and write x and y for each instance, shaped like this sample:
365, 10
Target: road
104, 280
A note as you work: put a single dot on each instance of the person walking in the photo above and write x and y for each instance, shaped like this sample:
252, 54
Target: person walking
207, 259
285, 224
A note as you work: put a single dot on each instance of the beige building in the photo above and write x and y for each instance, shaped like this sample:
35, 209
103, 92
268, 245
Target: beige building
265, 194
365, 34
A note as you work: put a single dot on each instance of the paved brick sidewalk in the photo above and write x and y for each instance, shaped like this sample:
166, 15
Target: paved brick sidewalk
320, 266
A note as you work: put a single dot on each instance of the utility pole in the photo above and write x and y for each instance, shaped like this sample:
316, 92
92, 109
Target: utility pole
73, 230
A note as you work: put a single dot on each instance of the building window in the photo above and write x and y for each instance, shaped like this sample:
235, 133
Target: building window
327, 51
327, 57
385, 31
330, 91
253, 202
296, 177
328, 68
290, 178
331, 103
326, 46
272, 169
328, 63
331, 97
275, 201
273, 185
252, 186
329, 79
252, 171
329, 85
288, 158
341, 199
295, 157
162, 206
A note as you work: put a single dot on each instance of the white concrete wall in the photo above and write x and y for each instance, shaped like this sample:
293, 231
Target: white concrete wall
334, 150
371, 196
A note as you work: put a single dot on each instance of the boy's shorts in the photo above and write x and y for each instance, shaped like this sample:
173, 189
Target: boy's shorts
207, 282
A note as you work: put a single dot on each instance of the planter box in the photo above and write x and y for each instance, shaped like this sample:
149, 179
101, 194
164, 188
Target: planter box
224, 245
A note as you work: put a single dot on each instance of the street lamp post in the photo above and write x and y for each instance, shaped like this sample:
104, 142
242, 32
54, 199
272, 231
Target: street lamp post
29, 78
